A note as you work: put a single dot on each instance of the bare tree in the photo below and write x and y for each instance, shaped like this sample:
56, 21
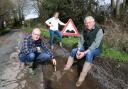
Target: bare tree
6, 8
117, 6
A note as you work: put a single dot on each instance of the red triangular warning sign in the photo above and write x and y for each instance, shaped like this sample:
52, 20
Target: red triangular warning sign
70, 29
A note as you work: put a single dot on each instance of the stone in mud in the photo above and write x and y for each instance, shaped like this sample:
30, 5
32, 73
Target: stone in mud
22, 84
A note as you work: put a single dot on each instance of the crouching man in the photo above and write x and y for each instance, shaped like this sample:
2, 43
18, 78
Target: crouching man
33, 49
90, 45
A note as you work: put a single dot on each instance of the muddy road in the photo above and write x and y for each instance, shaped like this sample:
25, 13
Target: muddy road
12, 72
106, 73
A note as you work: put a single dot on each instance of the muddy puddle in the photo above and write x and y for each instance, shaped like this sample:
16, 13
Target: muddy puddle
62, 80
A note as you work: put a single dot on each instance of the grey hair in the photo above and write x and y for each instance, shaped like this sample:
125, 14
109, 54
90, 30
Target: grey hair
89, 18
36, 29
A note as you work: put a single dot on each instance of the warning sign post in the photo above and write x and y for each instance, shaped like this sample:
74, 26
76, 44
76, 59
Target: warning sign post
70, 29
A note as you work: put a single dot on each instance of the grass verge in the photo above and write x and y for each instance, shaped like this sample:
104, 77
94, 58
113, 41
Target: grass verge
4, 31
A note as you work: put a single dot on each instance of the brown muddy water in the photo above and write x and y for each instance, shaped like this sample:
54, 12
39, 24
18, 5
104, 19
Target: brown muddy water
60, 80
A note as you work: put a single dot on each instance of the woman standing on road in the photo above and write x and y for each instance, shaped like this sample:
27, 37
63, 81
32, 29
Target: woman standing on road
53, 24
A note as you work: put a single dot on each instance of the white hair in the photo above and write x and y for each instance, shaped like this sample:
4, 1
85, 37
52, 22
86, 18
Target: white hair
36, 30
89, 18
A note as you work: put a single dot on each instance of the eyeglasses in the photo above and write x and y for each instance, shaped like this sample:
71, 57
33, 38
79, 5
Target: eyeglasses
36, 34
88, 22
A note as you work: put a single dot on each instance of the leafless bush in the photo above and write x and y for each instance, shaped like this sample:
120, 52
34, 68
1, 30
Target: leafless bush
116, 34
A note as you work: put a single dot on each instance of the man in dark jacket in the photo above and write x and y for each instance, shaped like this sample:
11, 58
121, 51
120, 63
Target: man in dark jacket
33, 49
89, 46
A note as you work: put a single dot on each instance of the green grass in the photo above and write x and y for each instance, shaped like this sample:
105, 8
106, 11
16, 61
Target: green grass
115, 54
4, 31
72, 41
44, 32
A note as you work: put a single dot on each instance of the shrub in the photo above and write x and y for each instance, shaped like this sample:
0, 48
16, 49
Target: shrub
4, 31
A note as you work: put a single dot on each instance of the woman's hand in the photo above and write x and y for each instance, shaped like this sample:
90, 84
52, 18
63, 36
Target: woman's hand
50, 25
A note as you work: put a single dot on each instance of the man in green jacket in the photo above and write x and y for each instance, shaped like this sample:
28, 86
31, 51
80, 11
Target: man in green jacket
89, 46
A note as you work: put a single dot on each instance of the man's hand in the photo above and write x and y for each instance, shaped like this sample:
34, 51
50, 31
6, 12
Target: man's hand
38, 49
82, 54
78, 53
85, 52
54, 61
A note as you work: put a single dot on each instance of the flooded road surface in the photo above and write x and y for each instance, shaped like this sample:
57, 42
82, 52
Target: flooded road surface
106, 73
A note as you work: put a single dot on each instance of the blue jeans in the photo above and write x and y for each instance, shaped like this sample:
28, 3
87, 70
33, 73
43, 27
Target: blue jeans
89, 56
58, 33
34, 57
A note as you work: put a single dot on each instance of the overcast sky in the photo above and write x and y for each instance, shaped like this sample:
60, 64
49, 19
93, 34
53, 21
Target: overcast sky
103, 2
29, 10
